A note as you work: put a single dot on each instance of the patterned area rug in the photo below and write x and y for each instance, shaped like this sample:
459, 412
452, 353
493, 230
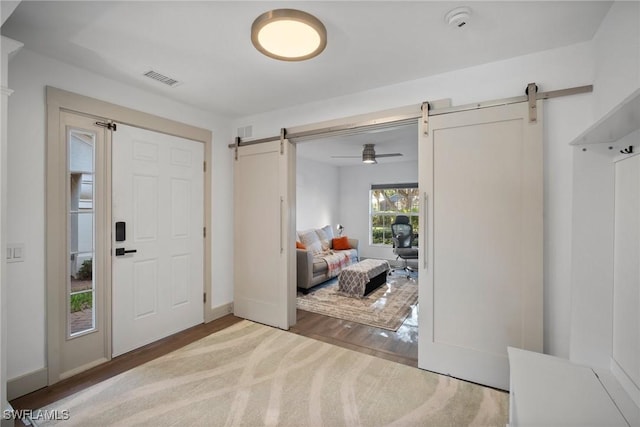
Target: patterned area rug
385, 308
254, 375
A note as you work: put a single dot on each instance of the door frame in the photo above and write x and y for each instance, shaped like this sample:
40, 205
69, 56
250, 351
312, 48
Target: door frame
366, 122
56, 230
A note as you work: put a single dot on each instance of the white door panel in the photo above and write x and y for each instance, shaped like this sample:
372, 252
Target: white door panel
264, 286
158, 193
625, 355
483, 172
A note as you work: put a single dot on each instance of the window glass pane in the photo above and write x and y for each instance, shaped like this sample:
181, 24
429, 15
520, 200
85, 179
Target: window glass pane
81, 232
81, 229
387, 230
81, 151
81, 313
386, 204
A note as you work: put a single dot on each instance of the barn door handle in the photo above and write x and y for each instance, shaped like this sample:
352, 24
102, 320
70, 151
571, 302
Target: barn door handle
281, 225
122, 251
426, 228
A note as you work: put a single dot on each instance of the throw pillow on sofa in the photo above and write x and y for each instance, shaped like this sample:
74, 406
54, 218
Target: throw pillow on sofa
341, 243
325, 239
310, 239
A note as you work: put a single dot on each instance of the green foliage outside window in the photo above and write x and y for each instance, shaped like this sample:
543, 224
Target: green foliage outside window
386, 204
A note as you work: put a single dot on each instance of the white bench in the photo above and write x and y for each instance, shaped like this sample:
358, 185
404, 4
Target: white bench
551, 391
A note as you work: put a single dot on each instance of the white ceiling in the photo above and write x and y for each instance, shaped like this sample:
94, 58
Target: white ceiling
402, 140
207, 46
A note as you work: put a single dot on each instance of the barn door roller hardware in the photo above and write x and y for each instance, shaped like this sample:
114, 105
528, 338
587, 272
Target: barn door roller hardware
531, 91
628, 150
283, 136
531, 96
424, 108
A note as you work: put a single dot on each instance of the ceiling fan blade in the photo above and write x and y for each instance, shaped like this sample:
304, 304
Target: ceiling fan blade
389, 155
346, 157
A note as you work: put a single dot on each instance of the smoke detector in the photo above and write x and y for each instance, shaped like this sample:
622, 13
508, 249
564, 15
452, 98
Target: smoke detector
458, 17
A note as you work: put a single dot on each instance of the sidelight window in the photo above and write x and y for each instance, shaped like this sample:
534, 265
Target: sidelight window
81, 217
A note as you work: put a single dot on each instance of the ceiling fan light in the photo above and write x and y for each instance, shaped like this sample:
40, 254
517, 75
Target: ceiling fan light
369, 154
288, 35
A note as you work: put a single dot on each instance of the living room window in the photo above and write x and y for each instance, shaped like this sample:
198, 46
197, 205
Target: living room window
388, 201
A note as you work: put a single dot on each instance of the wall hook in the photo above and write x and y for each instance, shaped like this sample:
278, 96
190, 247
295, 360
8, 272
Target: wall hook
628, 150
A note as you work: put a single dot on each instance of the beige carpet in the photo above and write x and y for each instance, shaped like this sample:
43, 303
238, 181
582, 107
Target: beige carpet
386, 307
254, 375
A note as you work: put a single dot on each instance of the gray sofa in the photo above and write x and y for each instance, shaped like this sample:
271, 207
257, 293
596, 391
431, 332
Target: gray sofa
312, 268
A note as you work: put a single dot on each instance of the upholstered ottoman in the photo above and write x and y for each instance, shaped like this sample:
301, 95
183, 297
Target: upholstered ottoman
362, 278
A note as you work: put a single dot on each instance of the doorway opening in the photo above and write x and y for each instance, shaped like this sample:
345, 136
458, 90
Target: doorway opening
336, 191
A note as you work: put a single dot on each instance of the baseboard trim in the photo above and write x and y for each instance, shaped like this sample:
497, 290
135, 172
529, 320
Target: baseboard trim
217, 312
626, 382
27, 383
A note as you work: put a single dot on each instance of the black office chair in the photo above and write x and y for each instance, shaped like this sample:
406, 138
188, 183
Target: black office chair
402, 235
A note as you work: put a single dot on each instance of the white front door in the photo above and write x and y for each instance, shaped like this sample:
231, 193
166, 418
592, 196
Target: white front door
481, 287
158, 212
264, 246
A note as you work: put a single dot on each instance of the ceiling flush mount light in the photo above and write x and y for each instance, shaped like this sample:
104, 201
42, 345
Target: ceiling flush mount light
288, 35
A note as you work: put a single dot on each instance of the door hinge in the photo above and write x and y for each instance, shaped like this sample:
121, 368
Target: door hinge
110, 126
204, 231
204, 297
204, 166
236, 149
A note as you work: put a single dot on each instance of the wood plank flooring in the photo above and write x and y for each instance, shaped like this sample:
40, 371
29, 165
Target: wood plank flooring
400, 346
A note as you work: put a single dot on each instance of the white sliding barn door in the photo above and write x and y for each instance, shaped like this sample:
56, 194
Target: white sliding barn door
158, 194
264, 245
482, 279
625, 357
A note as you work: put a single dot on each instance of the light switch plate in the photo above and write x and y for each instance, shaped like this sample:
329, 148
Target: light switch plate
15, 252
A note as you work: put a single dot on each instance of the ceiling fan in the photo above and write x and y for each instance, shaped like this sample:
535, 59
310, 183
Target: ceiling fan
368, 155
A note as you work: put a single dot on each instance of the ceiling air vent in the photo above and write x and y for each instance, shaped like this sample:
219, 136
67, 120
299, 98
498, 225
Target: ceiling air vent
161, 78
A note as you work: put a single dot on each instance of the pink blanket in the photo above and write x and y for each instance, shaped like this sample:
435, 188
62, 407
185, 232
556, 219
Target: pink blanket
336, 262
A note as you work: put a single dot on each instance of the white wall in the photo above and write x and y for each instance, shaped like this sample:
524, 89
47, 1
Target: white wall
355, 183
29, 74
617, 56
7, 47
565, 118
617, 75
317, 190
